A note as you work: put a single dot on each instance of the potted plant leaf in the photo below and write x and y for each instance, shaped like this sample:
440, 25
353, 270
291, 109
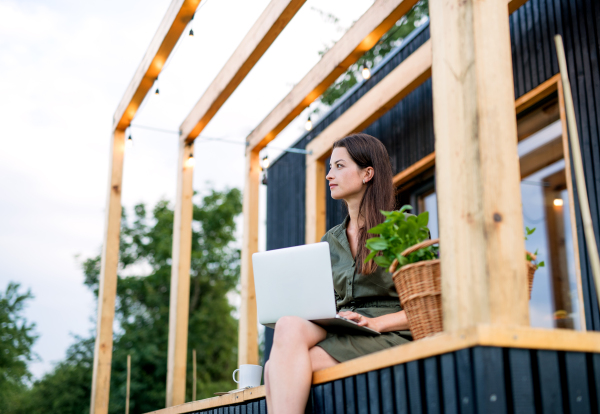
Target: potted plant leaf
404, 239
531, 259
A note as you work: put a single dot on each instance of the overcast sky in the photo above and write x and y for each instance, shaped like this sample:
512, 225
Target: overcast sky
64, 66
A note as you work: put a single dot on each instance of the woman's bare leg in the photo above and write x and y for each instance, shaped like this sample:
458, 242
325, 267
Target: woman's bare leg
321, 359
290, 367
267, 386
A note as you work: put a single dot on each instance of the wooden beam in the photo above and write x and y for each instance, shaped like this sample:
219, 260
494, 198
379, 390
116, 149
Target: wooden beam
404, 79
248, 329
108, 279
260, 37
361, 37
171, 27
540, 92
478, 181
542, 157
315, 200
180, 278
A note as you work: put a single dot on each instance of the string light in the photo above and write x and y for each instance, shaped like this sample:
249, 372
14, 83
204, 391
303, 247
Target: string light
366, 72
265, 162
308, 124
190, 162
129, 143
558, 202
191, 33
156, 92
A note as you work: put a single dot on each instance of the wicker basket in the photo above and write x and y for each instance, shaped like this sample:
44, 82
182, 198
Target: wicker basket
419, 286
531, 268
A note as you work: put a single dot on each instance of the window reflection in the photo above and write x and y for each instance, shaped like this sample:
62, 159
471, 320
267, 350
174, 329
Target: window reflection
554, 298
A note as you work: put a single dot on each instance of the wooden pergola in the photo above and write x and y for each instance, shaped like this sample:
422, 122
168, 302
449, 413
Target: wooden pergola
469, 59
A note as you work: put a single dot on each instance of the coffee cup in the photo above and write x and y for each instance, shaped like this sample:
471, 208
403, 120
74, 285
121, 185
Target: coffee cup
250, 375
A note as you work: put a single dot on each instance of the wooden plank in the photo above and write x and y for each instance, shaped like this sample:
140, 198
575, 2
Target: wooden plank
108, 279
361, 37
432, 386
338, 389
549, 379
578, 383
350, 395
448, 377
179, 13
315, 226
405, 78
531, 123
400, 389
373, 396
248, 329
179, 302
414, 387
572, 215
466, 381
414, 170
263, 33
542, 91
542, 157
521, 381
488, 369
386, 391
478, 182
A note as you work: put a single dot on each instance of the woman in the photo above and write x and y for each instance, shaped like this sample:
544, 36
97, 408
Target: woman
361, 175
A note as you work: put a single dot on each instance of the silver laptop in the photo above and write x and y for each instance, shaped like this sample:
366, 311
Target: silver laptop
297, 281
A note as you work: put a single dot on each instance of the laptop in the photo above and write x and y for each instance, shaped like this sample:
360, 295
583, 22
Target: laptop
297, 281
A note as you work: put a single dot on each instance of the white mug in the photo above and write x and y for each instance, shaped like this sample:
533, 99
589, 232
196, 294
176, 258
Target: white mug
250, 375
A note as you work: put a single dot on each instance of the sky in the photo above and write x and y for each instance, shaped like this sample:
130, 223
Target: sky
64, 66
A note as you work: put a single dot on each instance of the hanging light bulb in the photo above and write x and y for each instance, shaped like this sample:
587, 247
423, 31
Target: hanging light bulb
156, 92
265, 162
558, 202
308, 124
191, 32
366, 72
129, 142
190, 162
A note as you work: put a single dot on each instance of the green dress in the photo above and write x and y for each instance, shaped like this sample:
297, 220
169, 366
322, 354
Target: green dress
371, 295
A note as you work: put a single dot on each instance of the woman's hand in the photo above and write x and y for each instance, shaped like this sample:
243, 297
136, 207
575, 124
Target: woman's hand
360, 320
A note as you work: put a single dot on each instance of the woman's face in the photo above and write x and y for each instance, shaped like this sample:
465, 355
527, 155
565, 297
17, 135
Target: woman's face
346, 177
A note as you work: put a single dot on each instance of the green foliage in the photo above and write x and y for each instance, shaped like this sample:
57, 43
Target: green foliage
17, 338
142, 313
528, 257
386, 44
397, 233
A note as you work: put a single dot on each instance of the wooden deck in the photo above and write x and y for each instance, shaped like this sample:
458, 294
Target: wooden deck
479, 370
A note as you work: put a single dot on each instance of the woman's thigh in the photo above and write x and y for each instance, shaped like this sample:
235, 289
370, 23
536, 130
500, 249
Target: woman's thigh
292, 330
320, 359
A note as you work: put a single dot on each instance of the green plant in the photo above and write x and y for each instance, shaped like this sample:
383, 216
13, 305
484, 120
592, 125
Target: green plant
528, 257
397, 233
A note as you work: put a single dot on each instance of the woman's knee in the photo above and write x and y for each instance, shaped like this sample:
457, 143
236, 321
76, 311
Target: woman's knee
290, 329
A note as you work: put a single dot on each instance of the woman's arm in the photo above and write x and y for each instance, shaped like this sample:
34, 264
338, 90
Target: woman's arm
387, 323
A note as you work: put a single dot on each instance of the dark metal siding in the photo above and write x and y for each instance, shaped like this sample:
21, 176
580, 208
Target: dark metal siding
407, 129
484, 380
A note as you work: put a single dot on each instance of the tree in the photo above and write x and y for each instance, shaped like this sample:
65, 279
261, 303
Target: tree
142, 312
17, 338
386, 44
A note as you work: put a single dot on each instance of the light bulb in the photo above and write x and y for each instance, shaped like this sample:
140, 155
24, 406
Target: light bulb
265, 162
191, 32
156, 92
129, 143
308, 124
558, 202
190, 161
366, 73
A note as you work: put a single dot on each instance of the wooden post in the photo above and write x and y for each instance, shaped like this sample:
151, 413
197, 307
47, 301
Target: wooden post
128, 383
481, 225
315, 226
108, 280
180, 278
194, 375
248, 330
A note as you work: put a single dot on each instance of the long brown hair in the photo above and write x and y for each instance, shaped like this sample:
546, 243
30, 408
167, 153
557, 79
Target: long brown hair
367, 151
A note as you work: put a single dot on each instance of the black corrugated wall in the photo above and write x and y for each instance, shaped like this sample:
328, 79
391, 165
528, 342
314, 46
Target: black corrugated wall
407, 129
